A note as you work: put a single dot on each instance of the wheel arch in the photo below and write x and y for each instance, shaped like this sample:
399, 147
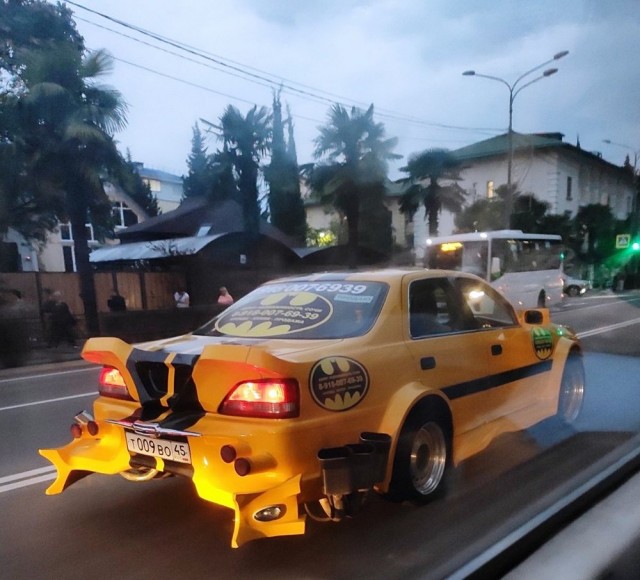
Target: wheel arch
409, 402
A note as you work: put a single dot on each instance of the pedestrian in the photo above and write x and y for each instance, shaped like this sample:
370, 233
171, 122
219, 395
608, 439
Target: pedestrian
116, 302
181, 298
224, 297
62, 322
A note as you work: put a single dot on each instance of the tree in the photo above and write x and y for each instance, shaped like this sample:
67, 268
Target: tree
198, 181
353, 170
285, 202
432, 166
60, 128
245, 141
127, 175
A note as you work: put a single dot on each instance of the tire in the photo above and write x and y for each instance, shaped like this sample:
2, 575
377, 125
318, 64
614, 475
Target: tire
422, 459
573, 291
572, 390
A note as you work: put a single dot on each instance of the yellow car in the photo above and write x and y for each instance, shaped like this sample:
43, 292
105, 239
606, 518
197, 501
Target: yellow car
309, 392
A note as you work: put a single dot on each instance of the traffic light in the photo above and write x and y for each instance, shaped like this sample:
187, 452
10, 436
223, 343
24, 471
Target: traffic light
635, 246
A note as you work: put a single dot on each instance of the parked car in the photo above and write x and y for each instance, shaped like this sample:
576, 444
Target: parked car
309, 392
574, 286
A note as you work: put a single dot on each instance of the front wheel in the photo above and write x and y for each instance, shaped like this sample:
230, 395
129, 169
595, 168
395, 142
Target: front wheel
421, 461
572, 389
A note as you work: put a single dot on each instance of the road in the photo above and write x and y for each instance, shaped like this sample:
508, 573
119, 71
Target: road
107, 527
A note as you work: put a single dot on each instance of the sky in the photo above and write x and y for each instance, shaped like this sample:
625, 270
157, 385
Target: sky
404, 57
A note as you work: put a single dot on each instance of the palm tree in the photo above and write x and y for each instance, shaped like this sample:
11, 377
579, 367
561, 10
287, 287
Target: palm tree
68, 121
353, 169
432, 166
245, 141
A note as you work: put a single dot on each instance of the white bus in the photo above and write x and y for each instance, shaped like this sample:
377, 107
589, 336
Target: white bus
526, 268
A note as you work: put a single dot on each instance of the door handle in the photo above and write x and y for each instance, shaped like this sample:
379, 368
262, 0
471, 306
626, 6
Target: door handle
496, 349
427, 363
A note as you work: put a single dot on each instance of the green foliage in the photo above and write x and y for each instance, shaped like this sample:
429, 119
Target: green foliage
245, 141
127, 176
426, 171
57, 128
285, 203
351, 175
198, 181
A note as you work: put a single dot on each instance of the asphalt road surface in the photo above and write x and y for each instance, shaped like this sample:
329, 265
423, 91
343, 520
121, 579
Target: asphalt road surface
106, 527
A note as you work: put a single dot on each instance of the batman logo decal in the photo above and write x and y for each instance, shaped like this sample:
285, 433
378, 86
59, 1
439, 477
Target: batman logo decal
338, 383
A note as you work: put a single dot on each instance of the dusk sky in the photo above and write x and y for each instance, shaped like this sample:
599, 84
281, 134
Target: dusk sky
406, 58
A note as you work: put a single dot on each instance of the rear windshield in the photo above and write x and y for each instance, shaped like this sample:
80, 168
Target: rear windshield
304, 310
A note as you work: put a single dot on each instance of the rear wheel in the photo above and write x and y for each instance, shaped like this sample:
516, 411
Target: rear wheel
422, 459
572, 389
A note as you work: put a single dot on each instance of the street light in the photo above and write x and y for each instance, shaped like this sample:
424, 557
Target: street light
514, 90
635, 152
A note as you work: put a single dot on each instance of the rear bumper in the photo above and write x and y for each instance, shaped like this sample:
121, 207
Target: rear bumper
264, 499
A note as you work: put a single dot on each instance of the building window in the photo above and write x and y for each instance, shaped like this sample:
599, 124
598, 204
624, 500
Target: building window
154, 184
569, 187
490, 190
65, 232
67, 255
123, 216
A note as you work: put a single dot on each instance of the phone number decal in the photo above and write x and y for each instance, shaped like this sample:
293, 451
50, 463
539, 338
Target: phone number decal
276, 314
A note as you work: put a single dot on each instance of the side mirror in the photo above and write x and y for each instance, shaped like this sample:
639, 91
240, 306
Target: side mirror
495, 265
533, 317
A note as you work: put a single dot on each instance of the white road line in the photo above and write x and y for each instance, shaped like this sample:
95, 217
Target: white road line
608, 328
27, 482
31, 377
92, 394
27, 474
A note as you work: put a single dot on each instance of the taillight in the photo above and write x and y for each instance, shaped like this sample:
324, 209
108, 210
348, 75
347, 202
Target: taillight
111, 384
267, 398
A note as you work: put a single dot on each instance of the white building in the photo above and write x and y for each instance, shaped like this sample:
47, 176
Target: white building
565, 176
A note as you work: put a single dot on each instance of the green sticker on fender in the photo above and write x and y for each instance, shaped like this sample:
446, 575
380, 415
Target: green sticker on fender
542, 342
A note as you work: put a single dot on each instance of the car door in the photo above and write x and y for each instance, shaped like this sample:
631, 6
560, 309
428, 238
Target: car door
515, 365
448, 353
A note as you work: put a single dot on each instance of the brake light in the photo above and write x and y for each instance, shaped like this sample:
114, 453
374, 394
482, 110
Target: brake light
265, 398
111, 384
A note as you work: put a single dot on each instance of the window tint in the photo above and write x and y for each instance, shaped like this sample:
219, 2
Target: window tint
435, 308
488, 308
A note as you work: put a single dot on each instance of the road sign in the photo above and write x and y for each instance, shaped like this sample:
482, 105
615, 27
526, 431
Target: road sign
623, 241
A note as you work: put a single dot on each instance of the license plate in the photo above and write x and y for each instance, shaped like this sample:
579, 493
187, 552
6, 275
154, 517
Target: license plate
163, 448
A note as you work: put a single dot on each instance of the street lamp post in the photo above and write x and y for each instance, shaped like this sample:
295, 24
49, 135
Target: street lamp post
514, 89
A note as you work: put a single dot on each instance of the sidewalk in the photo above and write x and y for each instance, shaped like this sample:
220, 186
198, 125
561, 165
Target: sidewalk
46, 356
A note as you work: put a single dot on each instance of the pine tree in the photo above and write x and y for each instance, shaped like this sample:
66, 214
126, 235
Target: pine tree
197, 183
285, 203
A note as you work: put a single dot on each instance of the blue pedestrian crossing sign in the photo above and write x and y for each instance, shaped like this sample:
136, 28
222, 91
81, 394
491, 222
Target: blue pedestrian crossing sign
623, 241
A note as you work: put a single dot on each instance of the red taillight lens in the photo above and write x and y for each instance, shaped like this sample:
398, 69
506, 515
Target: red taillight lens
111, 384
268, 398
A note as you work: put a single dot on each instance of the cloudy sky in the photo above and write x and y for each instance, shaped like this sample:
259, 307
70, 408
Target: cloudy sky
406, 57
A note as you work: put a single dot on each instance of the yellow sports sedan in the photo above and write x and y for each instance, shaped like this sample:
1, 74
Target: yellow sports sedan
309, 392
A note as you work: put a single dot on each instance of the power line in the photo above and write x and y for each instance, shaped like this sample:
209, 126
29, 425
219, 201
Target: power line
239, 71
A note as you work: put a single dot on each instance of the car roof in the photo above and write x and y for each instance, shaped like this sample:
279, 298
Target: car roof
389, 275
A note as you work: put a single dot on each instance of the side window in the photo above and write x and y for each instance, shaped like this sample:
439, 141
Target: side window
488, 307
433, 308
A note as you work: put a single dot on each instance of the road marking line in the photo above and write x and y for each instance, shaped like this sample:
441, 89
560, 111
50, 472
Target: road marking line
608, 328
26, 482
93, 394
31, 377
26, 474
